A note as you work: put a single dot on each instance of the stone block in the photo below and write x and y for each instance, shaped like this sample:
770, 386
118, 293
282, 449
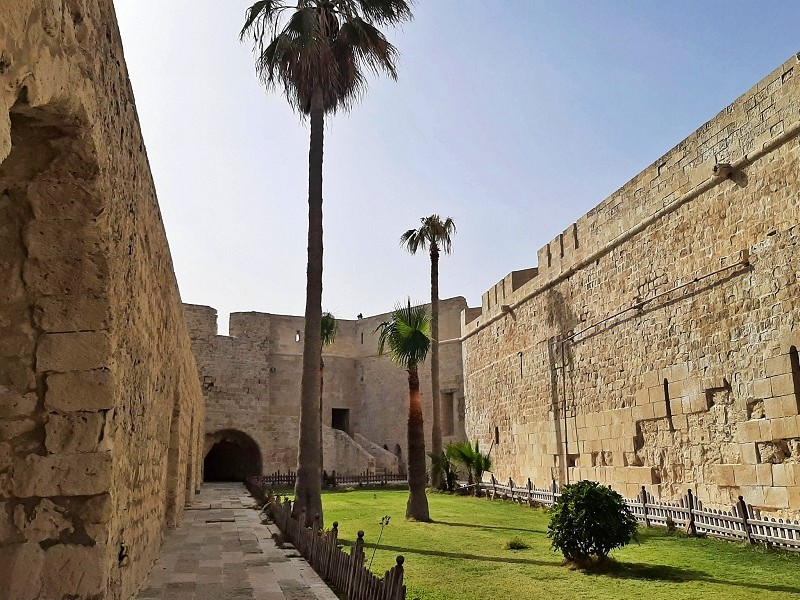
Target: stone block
9, 429
642, 396
46, 522
13, 404
21, 575
63, 277
73, 313
785, 428
80, 391
723, 475
75, 571
63, 352
651, 379
783, 475
62, 475
773, 408
748, 454
776, 497
778, 365
762, 388
745, 475
782, 385
764, 474
74, 432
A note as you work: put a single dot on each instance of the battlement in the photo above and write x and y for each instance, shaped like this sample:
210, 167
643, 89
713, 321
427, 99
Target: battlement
750, 125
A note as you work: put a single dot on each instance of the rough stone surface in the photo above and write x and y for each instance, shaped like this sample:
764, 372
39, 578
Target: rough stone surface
101, 413
251, 381
668, 358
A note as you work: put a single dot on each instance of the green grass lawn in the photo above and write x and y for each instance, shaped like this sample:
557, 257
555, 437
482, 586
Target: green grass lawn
463, 555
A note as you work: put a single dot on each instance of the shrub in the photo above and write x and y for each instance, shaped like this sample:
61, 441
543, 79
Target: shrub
516, 544
589, 520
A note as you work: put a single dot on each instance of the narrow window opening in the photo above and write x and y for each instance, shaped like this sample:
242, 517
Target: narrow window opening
447, 413
297, 336
362, 337
794, 359
666, 402
497, 436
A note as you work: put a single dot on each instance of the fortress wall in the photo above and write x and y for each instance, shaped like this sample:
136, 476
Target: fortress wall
97, 380
668, 359
251, 381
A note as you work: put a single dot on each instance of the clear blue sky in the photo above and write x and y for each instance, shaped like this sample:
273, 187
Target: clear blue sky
514, 117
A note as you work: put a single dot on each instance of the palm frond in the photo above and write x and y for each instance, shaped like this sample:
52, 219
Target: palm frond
386, 12
434, 232
330, 327
405, 337
321, 48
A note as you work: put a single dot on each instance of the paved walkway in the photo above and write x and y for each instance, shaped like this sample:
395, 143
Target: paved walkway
223, 552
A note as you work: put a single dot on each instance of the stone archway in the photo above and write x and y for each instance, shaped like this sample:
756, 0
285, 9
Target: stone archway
231, 455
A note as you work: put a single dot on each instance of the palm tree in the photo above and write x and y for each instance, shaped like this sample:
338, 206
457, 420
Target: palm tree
316, 52
407, 340
330, 326
434, 234
473, 460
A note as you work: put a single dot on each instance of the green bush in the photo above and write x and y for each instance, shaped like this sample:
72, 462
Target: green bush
516, 544
589, 520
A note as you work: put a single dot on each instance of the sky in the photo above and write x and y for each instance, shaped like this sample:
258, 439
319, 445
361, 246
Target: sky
513, 117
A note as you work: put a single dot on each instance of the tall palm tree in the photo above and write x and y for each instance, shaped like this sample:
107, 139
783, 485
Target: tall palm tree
434, 235
316, 52
330, 327
406, 338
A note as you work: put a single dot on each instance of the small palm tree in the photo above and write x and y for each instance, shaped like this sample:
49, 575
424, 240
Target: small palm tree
316, 52
406, 338
435, 235
330, 326
473, 460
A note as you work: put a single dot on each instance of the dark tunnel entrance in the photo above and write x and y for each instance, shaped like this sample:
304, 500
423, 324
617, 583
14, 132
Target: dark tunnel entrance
231, 456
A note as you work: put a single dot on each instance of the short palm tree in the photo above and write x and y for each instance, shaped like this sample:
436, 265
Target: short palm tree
435, 235
316, 52
472, 459
406, 338
330, 326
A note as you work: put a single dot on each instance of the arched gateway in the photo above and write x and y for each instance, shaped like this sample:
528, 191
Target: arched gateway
231, 455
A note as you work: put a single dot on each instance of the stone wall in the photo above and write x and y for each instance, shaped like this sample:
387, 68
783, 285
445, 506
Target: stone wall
97, 381
656, 342
251, 381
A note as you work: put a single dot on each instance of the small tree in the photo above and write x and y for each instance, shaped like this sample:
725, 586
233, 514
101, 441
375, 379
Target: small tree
406, 338
589, 520
446, 466
473, 460
330, 327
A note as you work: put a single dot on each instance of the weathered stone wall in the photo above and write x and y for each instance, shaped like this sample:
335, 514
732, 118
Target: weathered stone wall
656, 343
251, 381
97, 381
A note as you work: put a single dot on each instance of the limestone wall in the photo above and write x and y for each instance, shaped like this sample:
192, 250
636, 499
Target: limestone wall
97, 381
656, 342
251, 381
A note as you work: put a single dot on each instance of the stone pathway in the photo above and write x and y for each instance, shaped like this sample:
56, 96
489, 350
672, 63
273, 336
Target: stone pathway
223, 552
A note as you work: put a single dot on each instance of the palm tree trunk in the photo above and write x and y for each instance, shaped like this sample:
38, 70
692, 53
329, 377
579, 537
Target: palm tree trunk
321, 387
308, 487
417, 507
436, 434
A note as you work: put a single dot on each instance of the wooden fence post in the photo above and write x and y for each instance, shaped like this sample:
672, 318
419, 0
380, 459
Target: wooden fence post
397, 590
742, 507
356, 562
691, 528
643, 498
